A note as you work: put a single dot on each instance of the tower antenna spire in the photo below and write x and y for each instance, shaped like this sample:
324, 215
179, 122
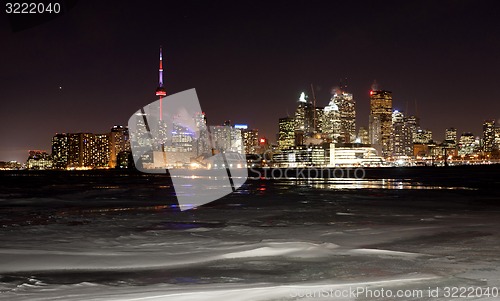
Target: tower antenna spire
160, 91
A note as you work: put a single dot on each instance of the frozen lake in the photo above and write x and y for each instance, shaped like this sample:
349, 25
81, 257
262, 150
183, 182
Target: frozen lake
110, 236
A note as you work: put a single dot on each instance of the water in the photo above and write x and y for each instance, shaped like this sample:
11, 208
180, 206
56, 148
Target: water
113, 236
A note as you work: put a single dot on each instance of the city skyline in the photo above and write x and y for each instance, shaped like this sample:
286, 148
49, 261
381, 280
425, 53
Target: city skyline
87, 76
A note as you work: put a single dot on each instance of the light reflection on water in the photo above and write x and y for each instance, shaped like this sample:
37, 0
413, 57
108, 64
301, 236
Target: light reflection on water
334, 183
350, 183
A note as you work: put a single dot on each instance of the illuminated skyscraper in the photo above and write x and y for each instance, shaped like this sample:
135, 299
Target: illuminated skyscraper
286, 133
118, 142
84, 150
402, 134
451, 136
319, 111
101, 151
202, 144
422, 136
60, 150
497, 139
347, 110
74, 150
466, 144
397, 134
331, 122
304, 116
380, 121
250, 138
488, 135
226, 138
363, 136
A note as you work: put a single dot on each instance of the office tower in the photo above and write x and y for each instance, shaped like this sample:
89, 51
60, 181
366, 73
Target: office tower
413, 124
408, 133
380, 120
422, 136
363, 136
119, 141
402, 134
319, 117
488, 135
497, 139
60, 151
398, 134
466, 144
87, 147
450, 136
226, 138
250, 138
182, 138
202, 143
331, 123
347, 109
286, 133
304, 116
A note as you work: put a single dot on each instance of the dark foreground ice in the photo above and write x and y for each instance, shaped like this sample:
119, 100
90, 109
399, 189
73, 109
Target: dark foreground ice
110, 236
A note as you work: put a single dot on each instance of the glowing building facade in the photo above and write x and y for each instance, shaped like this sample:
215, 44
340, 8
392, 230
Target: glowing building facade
286, 133
347, 115
488, 135
380, 120
331, 124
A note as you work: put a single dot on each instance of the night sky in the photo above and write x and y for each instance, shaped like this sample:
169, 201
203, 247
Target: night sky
94, 66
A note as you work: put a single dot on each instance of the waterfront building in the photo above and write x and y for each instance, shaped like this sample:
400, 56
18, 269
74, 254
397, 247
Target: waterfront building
380, 120
488, 135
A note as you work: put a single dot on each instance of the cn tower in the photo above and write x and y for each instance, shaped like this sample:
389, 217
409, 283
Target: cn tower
160, 91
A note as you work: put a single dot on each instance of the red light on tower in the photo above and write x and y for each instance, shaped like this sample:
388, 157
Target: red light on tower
371, 92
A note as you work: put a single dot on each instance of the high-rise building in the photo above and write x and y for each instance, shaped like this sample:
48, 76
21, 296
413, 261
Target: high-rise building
84, 150
347, 111
202, 144
422, 136
118, 142
60, 148
488, 135
304, 116
331, 123
74, 150
319, 118
363, 136
497, 139
101, 151
450, 136
413, 124
402, 134
466, 144
183, 138
226, 138
380, 120
250, 138
397, 134
286, 133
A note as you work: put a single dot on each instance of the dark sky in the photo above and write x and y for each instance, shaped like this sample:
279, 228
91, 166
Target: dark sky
248, 61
